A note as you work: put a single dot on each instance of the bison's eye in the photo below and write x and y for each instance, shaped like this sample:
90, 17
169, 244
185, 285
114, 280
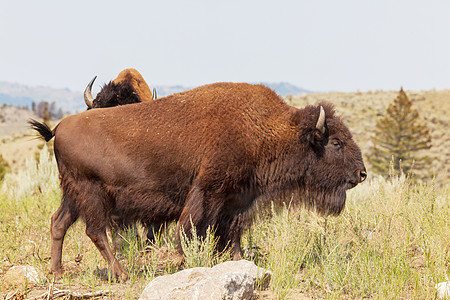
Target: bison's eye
337, 143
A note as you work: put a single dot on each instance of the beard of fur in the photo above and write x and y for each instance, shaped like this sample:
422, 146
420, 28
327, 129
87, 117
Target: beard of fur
325, 201
323, 191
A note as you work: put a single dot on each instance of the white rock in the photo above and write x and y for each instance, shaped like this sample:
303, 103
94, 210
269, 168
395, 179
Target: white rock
259, 275
229, 280
443, 290
19, 276
237, 286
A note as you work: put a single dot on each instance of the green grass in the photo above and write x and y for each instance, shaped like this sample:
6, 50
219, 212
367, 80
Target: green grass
199, 251
392, 241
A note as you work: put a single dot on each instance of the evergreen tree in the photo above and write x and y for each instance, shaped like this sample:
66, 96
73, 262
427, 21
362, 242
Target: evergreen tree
46, 115
400, 136
4, 167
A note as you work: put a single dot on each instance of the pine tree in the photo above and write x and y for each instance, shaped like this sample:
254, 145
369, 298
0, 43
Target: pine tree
4, 167
400, 138
46, 114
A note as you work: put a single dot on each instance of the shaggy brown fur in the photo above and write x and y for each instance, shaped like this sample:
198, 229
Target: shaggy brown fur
210, 155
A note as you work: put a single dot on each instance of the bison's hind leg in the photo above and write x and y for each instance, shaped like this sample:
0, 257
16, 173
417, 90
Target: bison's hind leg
99, 238
62, 219
96, 216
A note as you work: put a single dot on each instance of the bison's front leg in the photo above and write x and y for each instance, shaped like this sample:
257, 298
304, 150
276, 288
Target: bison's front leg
62, 219
152, 230
205, 209
192, 214
229, 231
236, 250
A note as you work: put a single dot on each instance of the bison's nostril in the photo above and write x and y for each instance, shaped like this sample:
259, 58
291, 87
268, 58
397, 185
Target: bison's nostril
363, 176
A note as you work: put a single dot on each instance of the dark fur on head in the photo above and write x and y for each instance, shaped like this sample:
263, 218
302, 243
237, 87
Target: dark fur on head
335, 163
114, 94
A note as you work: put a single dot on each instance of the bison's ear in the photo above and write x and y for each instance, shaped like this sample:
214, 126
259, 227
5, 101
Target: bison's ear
319, 135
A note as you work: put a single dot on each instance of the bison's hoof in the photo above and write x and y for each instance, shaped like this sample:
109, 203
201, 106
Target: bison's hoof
122, 277
107, 275
57, 275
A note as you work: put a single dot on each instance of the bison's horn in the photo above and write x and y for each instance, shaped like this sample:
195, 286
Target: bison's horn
155, 96
321, 121
87, 94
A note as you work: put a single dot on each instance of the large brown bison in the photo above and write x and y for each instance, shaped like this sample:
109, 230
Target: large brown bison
207, 156
128, 87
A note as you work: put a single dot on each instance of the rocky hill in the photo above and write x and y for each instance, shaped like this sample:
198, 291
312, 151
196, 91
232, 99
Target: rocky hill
22, 95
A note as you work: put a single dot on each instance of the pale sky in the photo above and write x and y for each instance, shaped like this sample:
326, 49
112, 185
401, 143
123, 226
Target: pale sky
317, 45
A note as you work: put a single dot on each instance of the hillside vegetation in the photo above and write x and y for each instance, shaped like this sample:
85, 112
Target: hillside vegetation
17, 143
23, 95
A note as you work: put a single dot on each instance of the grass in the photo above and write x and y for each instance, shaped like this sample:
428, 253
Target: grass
199, 251
392, 241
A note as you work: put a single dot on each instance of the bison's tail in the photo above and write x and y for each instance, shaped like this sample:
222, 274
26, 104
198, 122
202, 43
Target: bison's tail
42, 128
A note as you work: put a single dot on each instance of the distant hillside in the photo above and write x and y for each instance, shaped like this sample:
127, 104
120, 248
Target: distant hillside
285, 88
281, 88
22, 95
17, 142
166, 90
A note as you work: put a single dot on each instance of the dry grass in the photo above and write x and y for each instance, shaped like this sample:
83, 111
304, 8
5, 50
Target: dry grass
17, 144
390, 242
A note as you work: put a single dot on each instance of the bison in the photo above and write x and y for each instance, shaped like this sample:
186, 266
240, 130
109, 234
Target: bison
207, 157
128, 87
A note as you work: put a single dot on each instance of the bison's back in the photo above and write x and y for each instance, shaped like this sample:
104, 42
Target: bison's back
224, 127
